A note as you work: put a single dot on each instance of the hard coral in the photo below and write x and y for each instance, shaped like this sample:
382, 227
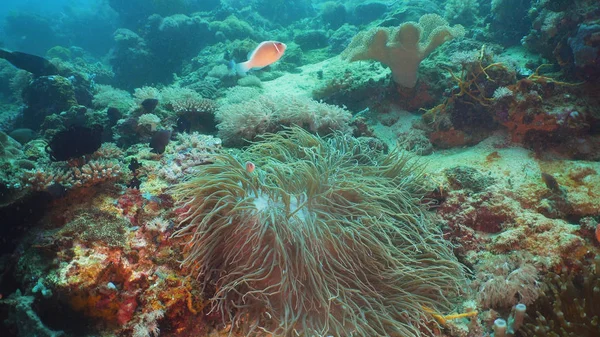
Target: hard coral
95, 172
79, 174
44, 96
200, 112
403, 48
41, 179
319, 231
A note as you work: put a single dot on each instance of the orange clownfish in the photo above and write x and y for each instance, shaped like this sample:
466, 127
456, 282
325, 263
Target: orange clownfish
266, 53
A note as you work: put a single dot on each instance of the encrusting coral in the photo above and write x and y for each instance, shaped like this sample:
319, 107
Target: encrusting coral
404, 47
316, 236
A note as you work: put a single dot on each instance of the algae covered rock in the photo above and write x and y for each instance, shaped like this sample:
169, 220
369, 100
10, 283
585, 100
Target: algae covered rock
44, 96
586, 50
312, 39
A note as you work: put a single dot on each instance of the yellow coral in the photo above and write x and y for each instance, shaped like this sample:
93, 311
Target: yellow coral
402, 48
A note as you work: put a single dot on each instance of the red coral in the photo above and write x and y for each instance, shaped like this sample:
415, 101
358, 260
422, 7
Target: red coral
449, 138
126, 309
520, 123
131, 202
414, 98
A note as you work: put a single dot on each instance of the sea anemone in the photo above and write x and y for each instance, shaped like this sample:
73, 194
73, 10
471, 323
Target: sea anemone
325, 237
569, 305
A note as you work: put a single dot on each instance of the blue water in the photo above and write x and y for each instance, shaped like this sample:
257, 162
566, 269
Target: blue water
58, 22
38, 6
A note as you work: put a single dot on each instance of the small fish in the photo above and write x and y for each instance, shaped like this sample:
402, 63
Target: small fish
56, 190
250, 167
75, 142
551, 182
149, 104
113, 115
22, 135
36, 65
183, 125
134, 183
267, 52
160, 140
134, 165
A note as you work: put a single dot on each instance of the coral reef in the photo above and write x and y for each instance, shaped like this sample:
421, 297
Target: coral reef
564, 34
537, 110
113, 264
185, 34
333, 14
586, 56
352, 85
13, 162
311, 39
148, 189
364, 13
184, 158
283, 11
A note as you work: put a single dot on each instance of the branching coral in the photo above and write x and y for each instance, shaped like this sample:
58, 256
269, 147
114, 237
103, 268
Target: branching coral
403, 48
193, 106
324, 236
92, 173
41, 179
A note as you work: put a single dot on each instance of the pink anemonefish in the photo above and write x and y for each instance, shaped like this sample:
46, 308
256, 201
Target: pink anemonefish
267, 52
250, 167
